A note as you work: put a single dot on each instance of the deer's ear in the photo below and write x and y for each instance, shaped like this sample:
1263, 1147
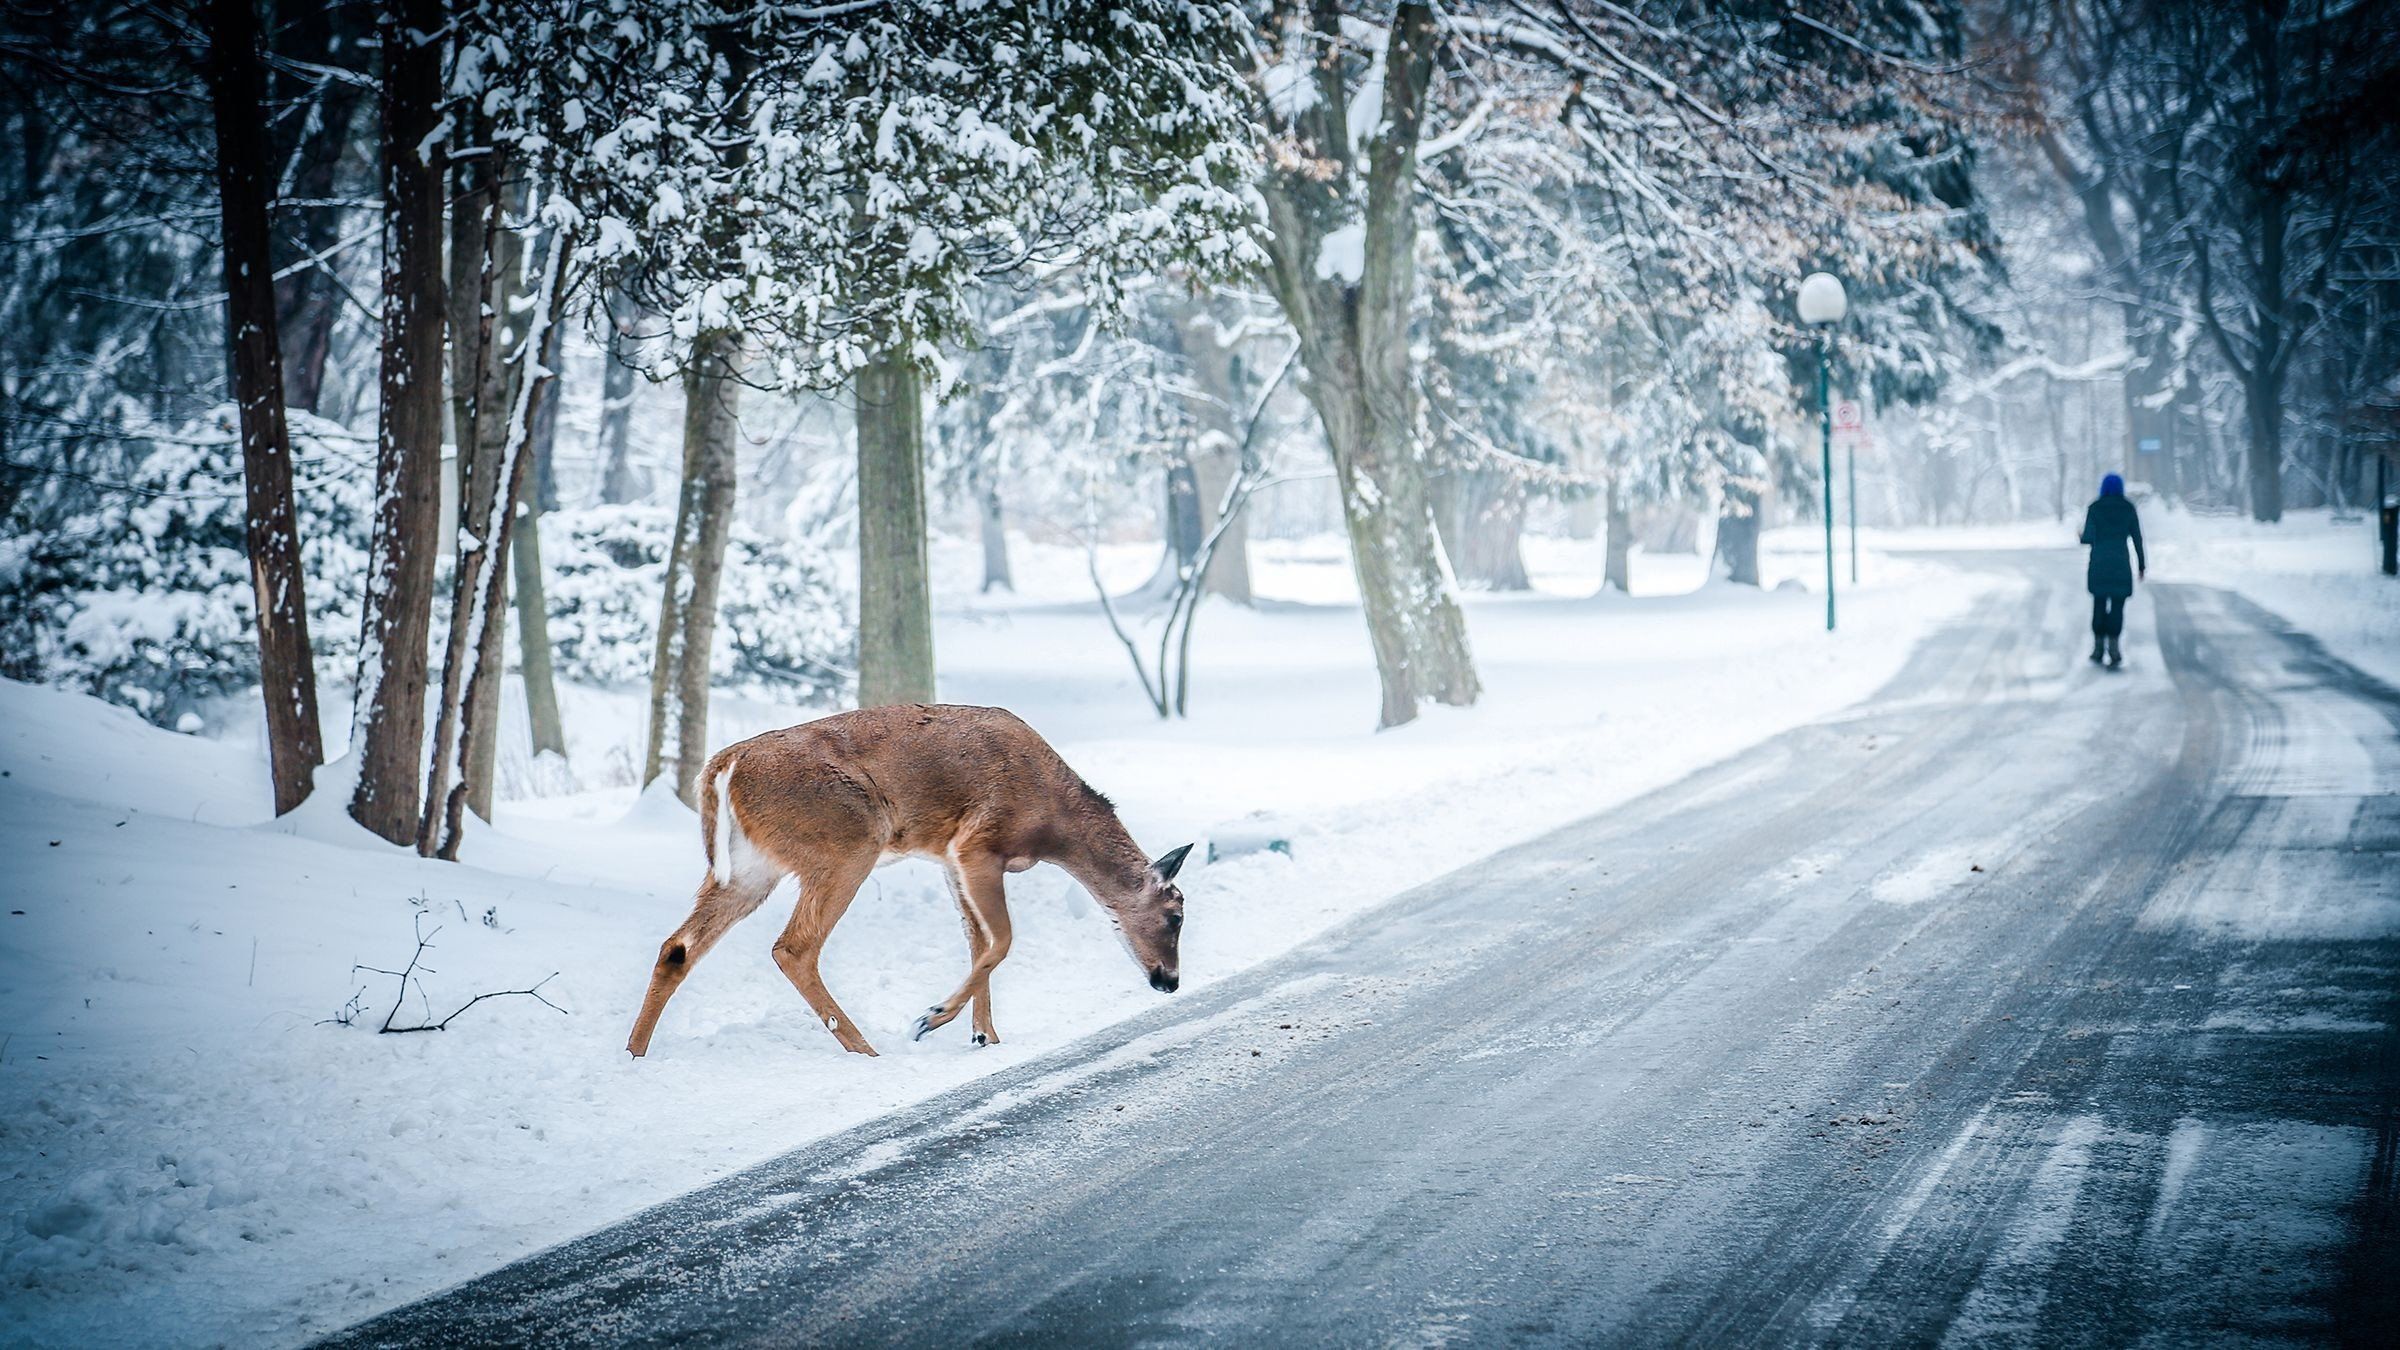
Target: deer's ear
1170, 862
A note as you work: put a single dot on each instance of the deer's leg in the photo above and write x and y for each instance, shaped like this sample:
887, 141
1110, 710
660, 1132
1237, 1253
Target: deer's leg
977, 941
720, 906
983, 897
825, 894
985, 1032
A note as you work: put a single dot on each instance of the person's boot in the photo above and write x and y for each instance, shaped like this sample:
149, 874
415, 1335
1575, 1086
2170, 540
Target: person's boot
2099, 649
2116, 657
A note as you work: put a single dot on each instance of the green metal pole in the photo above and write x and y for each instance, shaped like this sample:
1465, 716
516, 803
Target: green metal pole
1825, 411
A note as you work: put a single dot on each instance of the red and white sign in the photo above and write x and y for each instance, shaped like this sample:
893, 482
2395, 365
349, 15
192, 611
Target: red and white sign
1848, 417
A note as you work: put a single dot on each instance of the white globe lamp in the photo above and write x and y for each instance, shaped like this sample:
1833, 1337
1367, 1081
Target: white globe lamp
1822, 299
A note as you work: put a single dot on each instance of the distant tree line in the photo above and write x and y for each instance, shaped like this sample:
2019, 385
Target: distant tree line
2236, 168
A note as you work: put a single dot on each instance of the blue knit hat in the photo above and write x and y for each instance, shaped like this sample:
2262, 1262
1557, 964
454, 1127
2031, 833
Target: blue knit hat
2112, 486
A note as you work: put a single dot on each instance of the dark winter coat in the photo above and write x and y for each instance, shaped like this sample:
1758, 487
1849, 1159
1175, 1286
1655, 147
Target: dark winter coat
2108, 524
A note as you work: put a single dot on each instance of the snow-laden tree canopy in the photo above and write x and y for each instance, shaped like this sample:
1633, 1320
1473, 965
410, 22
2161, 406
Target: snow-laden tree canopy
829, 179
1721, 151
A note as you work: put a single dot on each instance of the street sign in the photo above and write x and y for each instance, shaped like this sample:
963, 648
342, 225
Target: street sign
2148, 445
1847, 417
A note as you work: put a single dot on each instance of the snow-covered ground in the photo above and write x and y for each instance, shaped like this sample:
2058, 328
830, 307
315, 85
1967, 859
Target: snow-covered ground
196, 1151
2318, 573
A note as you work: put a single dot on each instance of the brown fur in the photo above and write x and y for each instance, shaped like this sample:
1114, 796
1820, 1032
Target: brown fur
974, 788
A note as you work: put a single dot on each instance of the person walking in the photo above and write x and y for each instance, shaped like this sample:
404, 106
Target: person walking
2108, 525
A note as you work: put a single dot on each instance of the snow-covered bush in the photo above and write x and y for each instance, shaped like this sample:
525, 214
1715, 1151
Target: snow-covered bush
779, 617
143, 596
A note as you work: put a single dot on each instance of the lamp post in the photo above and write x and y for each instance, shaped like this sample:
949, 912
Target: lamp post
1822, 304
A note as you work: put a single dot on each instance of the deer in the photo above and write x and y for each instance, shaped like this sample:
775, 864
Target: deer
975, 789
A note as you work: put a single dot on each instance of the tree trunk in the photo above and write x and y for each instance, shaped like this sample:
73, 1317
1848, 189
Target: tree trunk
1179, 527
2058, 455
548, 733
2092, 438
309, 300
1618, 573
1499, 534
895, 604
1997, 455
1181, 516
1941, 485
525, 563
389, 707
470, 684
2263, 410
994, 525
287, 673
619, 482
2214, 480
1414, 622
1213, 468
481, 726
687, 615
1216, 453
1737, 534
1585, 517
486, 265
1675, 529
2148, 414
1353, 331
484, 262
1487, 515
544, 494
533, 638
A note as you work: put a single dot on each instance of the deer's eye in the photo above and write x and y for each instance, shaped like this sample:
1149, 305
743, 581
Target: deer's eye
1175, 921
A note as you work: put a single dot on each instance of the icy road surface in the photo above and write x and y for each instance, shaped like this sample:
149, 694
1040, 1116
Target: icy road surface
2025, 1004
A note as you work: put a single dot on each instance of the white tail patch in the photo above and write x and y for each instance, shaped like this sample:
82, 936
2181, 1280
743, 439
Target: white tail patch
720, 860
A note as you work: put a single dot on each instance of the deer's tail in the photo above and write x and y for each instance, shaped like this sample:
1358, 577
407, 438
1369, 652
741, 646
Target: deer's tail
719, 827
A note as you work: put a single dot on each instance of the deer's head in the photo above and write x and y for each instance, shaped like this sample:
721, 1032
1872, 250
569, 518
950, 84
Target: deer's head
1151, 918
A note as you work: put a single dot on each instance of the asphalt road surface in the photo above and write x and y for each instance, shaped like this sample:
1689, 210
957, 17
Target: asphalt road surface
2025, 1004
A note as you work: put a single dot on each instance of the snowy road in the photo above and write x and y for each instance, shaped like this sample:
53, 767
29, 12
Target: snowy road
2026, 1003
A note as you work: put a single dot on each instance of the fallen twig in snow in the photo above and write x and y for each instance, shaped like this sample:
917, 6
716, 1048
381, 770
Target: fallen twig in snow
408, 975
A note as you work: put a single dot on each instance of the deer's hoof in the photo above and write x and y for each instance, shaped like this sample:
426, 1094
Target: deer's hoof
918, 1028
981, 1040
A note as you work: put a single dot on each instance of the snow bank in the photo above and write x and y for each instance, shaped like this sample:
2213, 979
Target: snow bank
196, 1150
2318, 573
